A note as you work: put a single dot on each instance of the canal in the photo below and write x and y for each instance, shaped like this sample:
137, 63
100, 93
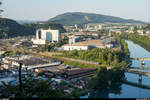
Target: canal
134, 88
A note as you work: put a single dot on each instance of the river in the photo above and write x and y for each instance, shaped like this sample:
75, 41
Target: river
126, 90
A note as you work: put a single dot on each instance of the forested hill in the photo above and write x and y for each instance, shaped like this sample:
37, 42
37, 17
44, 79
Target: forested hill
46, 25
83, 18
10, 28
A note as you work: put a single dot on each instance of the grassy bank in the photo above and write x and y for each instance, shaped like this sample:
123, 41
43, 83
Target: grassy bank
81, 65
72, 63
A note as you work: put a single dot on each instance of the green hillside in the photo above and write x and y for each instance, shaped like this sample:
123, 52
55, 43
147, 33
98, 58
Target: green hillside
46, 26
10, 28
83, 18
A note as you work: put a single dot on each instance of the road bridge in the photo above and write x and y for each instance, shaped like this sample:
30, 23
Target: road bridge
139, 85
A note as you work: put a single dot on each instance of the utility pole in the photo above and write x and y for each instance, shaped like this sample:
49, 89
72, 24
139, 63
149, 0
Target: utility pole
20, 81
20, 76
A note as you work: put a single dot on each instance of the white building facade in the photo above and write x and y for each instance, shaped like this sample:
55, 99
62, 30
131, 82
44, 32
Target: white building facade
46, 35
74, 39
73, 47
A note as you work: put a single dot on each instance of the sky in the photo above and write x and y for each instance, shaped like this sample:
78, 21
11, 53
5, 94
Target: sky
45, 9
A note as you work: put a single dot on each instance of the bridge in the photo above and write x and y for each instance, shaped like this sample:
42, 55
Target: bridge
140, 59
139, 84
138, 72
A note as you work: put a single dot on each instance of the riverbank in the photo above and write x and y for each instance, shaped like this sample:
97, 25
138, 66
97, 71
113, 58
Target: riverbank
143, 41
124, 90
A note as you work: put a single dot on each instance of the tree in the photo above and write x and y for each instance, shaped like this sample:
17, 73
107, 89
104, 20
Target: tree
4, 35
109, 58
32, 87
115, 60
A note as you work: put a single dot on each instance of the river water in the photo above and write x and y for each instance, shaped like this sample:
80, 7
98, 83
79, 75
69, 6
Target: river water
126, 90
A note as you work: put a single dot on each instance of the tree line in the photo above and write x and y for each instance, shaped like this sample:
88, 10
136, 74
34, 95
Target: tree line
143, 41
104, 56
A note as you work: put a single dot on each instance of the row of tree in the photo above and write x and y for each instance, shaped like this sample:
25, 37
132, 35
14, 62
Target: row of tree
103, 56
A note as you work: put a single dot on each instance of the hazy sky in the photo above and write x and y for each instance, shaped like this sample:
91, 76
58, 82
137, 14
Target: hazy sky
46, 9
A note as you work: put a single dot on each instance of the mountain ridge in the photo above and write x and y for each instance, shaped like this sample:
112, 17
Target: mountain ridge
71, 18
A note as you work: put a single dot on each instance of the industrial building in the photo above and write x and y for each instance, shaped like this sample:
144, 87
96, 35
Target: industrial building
87, 45
29, 62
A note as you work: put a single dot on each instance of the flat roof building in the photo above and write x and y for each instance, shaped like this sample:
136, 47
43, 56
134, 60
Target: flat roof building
84, 45
89, 44
46, 35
